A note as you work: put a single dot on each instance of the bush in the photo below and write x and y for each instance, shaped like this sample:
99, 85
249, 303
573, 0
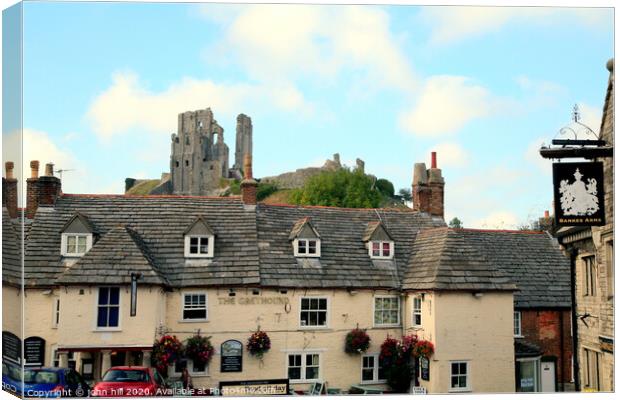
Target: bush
385, 187
264, 190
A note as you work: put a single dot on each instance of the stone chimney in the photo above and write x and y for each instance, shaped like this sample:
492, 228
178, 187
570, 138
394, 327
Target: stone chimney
41, 190
9, 190
248, 184
427, 188
49, 187
32, 190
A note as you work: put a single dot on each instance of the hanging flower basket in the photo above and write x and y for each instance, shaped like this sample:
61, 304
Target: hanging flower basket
258, 344
199, 350
166, 351
423, 348
357, 341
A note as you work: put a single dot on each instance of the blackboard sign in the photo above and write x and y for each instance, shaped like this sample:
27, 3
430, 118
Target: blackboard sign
11, 347
424, 369
578, 194
232, 356
34, 351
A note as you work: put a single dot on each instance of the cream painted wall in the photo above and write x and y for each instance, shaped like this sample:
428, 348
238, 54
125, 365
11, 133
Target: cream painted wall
474, 329
461, 326
12, 310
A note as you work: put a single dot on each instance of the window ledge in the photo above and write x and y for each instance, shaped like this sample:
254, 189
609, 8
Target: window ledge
315, 328
461, 390
107, 330
417, 327
192, 321
382, 382
386, 326
519, 336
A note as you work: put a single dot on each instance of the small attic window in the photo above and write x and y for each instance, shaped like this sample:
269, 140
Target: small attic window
306, 239
379, 241
381, 249
76, 237
199, 240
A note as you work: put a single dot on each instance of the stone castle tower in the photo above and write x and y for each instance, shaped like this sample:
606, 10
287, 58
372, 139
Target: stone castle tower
243, 145
199, 155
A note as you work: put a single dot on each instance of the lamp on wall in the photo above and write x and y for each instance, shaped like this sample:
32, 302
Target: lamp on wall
477, 294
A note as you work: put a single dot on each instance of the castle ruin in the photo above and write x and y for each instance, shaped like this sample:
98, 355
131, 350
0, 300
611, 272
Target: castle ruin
199, 155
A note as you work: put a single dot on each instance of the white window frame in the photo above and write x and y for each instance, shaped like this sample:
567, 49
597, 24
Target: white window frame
210, 249
375, 369
190, 368
206, 318
297, 253
381, 242
120, 310
517, 328
590, 276
591, 371
467, 387
537, 377
327, 313
303, 366
416, 311
374, 309
64, 238
56, 312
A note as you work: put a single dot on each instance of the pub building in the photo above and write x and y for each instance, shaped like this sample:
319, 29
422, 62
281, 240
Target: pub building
306, 276
585, 230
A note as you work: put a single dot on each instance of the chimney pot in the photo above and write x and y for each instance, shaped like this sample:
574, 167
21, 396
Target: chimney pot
546, 213
49, 169
247, 166
34, 169
9, 169
433, 159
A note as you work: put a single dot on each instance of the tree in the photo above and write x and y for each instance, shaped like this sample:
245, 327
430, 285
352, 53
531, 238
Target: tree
339, 188
264, 190
385, 187
455, 223
405, 194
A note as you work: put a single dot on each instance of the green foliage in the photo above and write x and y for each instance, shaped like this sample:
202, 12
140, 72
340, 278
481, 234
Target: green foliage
340, 188
455, 223
235, 187
264, 190
386, 187
405, 194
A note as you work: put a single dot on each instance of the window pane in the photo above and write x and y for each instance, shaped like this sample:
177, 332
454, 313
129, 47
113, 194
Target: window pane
305, 304
455, 382
204, 245
294, 373
314, 304
103, 295
193, 241
301, 247
193, 249
367, 374
462, 381
381, 373
313, 319
323, 304
455, 368
463, 368
304, 318
102, 316
113, 317
312, 372
195, 314
386, 249
71, 244
114, 295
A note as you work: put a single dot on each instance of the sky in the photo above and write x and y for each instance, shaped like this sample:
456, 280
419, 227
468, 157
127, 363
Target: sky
484, 87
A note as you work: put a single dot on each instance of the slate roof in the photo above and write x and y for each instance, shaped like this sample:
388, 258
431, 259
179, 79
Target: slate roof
121, 250
344, 260
11, 259
299, 226
524, 348
370, 230
160, 222
253, 249
534, 262
443, 259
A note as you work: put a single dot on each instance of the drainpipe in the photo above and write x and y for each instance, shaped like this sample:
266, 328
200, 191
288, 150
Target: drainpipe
574, 324
562, 333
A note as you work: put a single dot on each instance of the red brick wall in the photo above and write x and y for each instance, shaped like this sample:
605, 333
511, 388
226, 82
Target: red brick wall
543, 328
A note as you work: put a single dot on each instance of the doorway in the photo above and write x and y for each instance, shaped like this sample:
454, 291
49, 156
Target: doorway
547, 375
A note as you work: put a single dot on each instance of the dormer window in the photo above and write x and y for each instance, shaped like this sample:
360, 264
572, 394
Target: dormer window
378, 241
307, 247
381, 249
199, 240
76, 237
306, 239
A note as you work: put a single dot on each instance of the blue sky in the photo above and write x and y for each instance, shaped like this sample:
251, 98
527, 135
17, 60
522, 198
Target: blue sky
484, 87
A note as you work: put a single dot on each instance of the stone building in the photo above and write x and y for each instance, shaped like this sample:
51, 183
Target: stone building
225, 267
593, 253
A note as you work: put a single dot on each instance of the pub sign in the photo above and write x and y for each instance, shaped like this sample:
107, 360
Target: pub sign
34, 351
578, 194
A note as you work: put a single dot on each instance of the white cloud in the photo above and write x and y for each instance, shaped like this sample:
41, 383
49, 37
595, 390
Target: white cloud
532, 155
453, 24
449, 154
276, 42
127, 105
496, 220
38, 145
591, 116
447, 103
